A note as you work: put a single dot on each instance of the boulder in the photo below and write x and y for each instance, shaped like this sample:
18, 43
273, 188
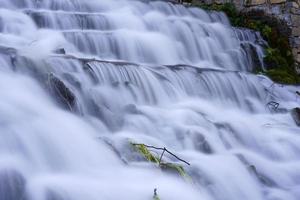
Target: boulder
296, 115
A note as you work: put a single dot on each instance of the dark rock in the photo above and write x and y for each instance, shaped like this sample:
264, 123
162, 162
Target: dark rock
296, 115
91, 73
252, 169
37, 18
12, 185
201, 144
60, 51
52, 195
62, 93
262, 178
252, 57
132, 109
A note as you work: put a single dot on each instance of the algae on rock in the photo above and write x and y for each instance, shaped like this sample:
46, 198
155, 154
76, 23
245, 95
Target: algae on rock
178, 169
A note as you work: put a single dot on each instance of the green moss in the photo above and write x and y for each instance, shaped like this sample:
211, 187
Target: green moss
143, 150
281, 76
170, 167
155, 196
279, 59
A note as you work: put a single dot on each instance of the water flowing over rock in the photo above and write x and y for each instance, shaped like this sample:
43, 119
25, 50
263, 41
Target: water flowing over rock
80, 80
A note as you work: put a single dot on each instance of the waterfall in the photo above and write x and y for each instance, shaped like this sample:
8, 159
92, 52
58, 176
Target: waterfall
80, 80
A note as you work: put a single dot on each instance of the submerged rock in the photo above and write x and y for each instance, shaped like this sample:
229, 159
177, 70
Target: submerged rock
296, 115
201, 144
262, 178
12, 185
253, 56
62, 93
52, 195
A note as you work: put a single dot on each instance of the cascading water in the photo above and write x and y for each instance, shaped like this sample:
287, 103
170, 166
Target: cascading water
81, 79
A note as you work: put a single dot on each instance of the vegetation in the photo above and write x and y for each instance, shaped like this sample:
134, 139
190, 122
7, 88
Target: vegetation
155, 196
144, 151
279, 59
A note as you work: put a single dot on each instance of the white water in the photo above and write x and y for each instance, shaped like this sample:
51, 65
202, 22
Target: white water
177, 78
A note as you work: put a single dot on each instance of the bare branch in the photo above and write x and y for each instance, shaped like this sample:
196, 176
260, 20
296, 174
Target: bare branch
165, 150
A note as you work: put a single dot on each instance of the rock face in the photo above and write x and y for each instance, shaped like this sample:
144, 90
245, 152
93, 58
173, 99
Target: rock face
284, 10
277, 1
254, 2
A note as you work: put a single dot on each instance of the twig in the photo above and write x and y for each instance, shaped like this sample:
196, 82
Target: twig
162, 155
163, 149
273, 104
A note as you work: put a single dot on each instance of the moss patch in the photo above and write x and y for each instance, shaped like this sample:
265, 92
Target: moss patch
168, 167
279, 59
143, 150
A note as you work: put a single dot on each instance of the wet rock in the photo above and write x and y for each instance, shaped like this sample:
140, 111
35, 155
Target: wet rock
252, 169
201, 144
253, 57
52, 195
60, 51
263, 179
62, 93
132, 109
296, 115
37, 18
12, 185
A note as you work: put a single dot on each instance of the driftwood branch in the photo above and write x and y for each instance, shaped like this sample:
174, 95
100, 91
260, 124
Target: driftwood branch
272, 104
164, 150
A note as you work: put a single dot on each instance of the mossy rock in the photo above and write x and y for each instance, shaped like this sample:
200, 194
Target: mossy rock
177, 169
282, 76
144, 151
168, 167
